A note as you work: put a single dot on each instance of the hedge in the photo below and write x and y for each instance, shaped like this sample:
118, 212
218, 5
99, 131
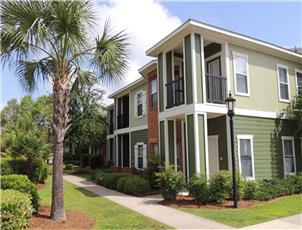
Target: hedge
15, 209
136, 185
110, 180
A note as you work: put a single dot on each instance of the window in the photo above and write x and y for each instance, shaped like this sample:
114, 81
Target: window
241, 74
283, 83
139, 104
153, 93
246, 156
154, 149
299, 80
140, 156
289, 161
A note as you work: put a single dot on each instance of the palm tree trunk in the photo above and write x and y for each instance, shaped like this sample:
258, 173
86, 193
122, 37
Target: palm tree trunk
60, 116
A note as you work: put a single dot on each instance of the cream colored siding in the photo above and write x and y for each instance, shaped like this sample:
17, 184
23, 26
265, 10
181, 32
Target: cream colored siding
134, 121
263, 79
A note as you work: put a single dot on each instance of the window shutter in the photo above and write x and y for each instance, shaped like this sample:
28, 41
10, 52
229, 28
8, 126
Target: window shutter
136, 156
145, 156
135, 105
144, 102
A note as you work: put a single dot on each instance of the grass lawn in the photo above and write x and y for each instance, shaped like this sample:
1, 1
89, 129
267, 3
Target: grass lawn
108, 214
281, 207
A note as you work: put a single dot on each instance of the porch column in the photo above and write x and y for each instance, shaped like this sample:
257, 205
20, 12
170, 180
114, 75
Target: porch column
196, 137
162, 145
171, 139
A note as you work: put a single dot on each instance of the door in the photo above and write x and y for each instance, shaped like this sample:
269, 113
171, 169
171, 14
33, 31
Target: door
213, 67
213, 155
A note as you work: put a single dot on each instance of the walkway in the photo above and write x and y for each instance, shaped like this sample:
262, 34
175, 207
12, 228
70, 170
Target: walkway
149, 207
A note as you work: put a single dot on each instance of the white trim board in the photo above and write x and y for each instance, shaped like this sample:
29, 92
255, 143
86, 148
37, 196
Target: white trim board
132, 129
291, 138
246, 137
288, 83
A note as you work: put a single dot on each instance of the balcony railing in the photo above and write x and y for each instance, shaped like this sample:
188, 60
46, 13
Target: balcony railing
216, 89
122, 120
175, 92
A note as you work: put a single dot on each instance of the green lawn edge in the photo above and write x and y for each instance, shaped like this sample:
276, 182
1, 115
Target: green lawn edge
108, 215
242, 217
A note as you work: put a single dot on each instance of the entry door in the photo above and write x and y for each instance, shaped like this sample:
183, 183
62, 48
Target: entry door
213, 155
214, 67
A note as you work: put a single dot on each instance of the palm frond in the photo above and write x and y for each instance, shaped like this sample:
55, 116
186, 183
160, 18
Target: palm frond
110, 60
82, 78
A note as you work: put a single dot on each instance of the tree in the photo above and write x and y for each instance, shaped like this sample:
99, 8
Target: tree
87, 124
52, 41
297, 111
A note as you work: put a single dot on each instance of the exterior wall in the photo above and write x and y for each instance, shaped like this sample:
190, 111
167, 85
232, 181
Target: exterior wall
217, 126
263, 80
171, 142
191, 144
188, 69
202, 144
160, 82
162, 140
137, 136
134, 121
152, 115
199, 75
267, 144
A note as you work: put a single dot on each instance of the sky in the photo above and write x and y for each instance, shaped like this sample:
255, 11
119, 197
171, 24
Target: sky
148, 21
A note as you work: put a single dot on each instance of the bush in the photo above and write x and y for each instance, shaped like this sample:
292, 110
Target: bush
6, 168
170, 182
249, 189
99, 177
15, 209
110, 163
95, 161
136, 185
120, 186
69, 167
22, 184
153, 167
39, 171
299, 183
221, 186
290, 185
198, 188
110, 179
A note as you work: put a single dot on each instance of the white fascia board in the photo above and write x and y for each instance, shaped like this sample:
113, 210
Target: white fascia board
126, 88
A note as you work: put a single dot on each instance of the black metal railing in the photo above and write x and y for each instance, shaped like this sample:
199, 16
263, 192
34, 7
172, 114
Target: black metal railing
216, 89
122, 120
175, 92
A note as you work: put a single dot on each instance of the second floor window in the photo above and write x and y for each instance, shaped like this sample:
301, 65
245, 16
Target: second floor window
299, 80
153, 93
283, 83
241, 74
140, 102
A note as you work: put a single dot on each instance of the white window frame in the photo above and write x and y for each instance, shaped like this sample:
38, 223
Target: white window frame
144, 155
143, 103
296, 77
251, 138
294, 154
288, 83
235, 54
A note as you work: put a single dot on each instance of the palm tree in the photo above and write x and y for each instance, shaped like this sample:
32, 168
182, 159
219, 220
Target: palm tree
52, 41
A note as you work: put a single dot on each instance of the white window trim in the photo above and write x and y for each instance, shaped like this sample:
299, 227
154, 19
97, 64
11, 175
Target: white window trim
294, 154
143, 103
246, 137
144, 155
296, 77
235, 54
288, 83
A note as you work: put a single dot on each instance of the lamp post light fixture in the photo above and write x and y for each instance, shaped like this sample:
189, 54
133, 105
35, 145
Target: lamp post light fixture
230, 103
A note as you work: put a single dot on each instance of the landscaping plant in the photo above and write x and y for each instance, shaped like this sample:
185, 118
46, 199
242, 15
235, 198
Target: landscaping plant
110, 180
199, 189
153, 167
136, 185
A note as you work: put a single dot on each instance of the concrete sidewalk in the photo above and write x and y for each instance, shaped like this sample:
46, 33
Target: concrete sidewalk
149, 207
290, 222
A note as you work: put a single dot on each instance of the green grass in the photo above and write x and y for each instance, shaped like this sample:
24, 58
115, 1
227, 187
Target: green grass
107, 214
281, 207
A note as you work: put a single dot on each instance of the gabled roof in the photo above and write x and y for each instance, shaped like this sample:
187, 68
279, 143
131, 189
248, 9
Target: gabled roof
126, 88
208, 30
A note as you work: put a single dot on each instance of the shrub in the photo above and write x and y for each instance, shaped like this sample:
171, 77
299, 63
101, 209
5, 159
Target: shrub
290, 185
99, 177
110, 179
15, 209
153, 167
22, 184
136, 185
170, 182
5, 167
69, 167
249, 189
299, 183
110, 163
39, 171
95, 161
198, 188
268, 189
221, 186
120, 186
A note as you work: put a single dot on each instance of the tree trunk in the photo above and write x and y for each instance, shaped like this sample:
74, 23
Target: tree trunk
60, 120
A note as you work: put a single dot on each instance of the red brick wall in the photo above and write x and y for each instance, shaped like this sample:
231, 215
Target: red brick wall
152, 114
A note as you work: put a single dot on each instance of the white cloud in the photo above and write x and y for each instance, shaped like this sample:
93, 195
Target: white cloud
145, 21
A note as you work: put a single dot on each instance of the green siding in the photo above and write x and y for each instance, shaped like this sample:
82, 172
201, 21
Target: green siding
188, 69
268, 156
198, 68
217, 126
169, 66
138, 136
171, 141
201, 137
162, 139
160, 81
191, 145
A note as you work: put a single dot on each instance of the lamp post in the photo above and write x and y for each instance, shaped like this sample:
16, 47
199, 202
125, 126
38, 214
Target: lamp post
230, 102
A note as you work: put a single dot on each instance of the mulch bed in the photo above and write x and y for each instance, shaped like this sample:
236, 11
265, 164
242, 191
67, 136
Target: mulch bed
188, 202
74, 220
41, 186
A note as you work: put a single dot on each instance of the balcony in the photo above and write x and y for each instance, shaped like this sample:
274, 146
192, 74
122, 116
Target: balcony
216, 89
175, 92
122, 120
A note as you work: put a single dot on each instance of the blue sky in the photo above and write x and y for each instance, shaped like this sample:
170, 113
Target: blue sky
276, 22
